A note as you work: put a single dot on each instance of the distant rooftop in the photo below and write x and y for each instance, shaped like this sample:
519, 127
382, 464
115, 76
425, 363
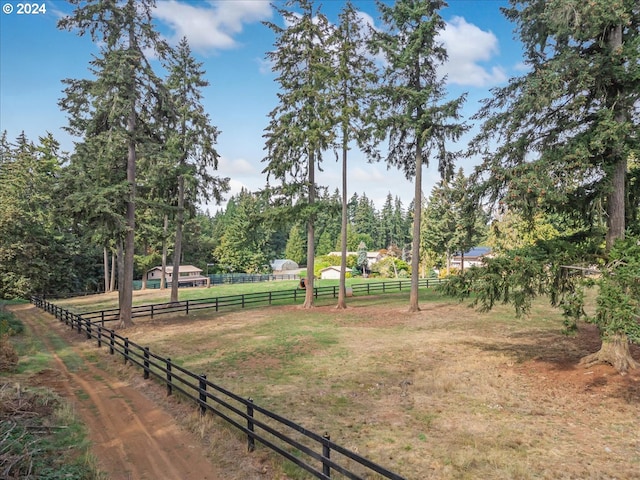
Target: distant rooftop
475, 252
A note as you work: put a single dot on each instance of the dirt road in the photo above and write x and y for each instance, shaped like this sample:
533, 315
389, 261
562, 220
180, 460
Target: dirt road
133, 438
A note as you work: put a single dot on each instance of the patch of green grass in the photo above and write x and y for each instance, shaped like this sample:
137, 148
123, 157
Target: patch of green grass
49, 443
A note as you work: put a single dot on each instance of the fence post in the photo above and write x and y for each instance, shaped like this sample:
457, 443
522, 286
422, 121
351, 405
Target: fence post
326, 453
169, 384
152, 310
251, 442
79, 320
146, 363
99, 336
203, 394
187, 307
126, 350
88, 328
112, 341
216, 304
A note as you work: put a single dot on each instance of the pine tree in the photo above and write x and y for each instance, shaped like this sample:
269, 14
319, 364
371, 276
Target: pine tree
301, 125
244, 246
190, 144
411, 111
558, 138
386, 222
355, 73
452, 221
295, 246
106, 111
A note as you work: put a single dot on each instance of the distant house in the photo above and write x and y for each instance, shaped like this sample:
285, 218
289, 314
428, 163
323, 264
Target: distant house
372, 257
189, 275
284, 264
473, 257
332, 272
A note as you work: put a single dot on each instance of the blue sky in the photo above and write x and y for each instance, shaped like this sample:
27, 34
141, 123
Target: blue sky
230, 40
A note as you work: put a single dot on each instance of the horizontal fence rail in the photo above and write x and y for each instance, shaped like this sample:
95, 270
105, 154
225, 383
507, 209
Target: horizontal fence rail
247, 300
316, 454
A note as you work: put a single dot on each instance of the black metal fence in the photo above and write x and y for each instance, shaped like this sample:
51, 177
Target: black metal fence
246, 300
316, 454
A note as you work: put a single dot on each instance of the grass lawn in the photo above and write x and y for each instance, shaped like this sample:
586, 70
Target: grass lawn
444, 393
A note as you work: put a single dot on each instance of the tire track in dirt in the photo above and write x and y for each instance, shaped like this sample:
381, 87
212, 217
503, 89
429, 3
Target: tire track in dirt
132, 437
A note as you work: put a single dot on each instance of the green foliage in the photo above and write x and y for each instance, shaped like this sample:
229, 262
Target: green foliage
39, 252
244, 245
295, 249
452, 221
389, 266
512, 278
618, 301
558, 137
518, 276
9, 323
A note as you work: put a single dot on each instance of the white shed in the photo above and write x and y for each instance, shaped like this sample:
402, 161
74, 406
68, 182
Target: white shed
332, 272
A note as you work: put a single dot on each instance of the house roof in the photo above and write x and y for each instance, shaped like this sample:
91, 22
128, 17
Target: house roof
475, 252
183, 269
369, 254
337, 269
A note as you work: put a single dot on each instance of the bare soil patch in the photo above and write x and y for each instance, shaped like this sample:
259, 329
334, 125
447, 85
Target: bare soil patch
133, 429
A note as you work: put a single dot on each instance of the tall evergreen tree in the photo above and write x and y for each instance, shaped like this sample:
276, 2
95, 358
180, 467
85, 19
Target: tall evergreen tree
295, 246
355, 73
41, 250
386, 222
452, 222
564, 130
190, 144
301, 125
106, 110
411, 112
365, 220
244, 246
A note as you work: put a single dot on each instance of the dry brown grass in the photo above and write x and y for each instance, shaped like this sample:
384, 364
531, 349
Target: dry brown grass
445, 393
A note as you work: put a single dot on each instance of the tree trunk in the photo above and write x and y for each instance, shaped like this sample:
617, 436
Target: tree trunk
163, 270
616, 199
112, 283
120, 260
177, 251
415, 242
143, 283
129, 238
105, 253
614, 351
342, 289
308, 299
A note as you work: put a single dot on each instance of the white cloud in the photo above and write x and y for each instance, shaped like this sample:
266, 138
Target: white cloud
213, 24
468, 46
236, 167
